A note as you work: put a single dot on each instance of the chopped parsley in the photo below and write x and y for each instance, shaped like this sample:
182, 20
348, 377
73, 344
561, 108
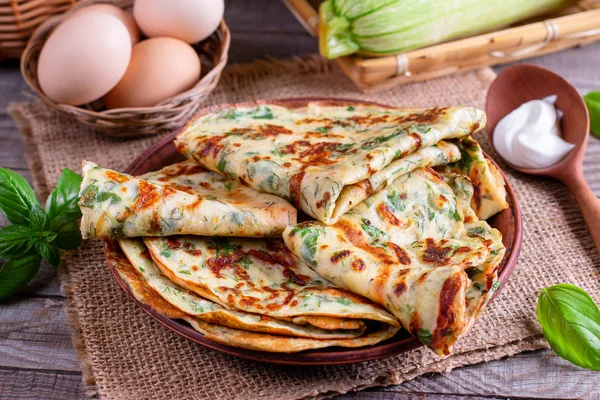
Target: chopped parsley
263, 113
396, 202
424, 336
371, 230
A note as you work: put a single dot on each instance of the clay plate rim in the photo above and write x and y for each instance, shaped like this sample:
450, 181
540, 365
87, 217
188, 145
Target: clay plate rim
163, 152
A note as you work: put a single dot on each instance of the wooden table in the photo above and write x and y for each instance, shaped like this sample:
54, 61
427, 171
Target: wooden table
37, 359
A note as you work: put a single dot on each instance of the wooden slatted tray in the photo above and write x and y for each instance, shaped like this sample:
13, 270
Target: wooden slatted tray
575, 26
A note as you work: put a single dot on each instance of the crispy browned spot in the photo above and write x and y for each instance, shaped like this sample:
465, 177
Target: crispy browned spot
178, 170
400, 288
357, 238
287, 164
447, 322
325, 246
368, 119
269, 130
340, 255
168, 191
358, 265
195, 268
365, 186
295, 188
324, 200
275, 252
427, 116
195, 204
324, 121
193, 252
210, 147
298, 279
417, 138
435, 174
147, 198
475, 179
403, 257
145, 254
173, 243
438, 255
422, 278
218, 263
117, 177
415, 322
387, 214
155, 225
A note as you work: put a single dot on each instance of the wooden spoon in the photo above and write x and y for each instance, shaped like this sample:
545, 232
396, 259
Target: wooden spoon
524, 82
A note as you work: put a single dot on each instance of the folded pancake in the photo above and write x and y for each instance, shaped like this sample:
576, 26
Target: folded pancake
485, 276
309, 155
179, 199
407, 249
208, 311
489, 197
230, 336
260, 276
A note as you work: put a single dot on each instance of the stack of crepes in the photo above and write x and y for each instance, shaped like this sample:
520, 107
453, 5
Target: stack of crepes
393, 203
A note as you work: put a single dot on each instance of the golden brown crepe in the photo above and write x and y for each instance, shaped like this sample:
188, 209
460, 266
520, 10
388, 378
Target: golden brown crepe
208, 311
259, 276
229, 336
313, 155
408, 249
180, 199
489, 196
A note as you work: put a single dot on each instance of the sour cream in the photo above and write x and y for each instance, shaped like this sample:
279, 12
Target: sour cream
529, 136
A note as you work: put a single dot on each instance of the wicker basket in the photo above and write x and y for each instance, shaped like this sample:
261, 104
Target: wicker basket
19, 18
136, 121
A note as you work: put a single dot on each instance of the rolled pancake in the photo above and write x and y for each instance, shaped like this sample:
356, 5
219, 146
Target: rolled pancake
236, 337
179, 199
407, 249
208, 311
310, 154
259, 276
489, 196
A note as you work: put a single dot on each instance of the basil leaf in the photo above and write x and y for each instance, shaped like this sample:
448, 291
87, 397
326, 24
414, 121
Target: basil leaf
63, 210
592, 100
38, 219
14, 241
16, 197
571, 323
68, 235
62, 202
50, 252
17, 273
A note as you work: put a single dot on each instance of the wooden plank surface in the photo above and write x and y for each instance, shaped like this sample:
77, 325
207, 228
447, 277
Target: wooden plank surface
37, 359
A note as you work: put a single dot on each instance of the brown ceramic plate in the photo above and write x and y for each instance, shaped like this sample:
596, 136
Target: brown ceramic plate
163, 153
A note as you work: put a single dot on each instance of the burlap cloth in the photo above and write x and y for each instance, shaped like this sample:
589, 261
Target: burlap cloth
126, 354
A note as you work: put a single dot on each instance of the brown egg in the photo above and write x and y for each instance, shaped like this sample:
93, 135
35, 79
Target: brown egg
84, 58
115, 11
159, 68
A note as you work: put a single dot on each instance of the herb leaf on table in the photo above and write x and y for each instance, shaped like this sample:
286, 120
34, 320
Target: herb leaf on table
592, 101
36, 232
571, 323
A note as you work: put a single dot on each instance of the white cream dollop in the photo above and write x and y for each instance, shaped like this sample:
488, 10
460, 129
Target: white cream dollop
529, 136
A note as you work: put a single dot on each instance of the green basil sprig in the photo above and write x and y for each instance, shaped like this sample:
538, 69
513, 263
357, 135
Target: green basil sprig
571, 323
592, 100
35, 232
